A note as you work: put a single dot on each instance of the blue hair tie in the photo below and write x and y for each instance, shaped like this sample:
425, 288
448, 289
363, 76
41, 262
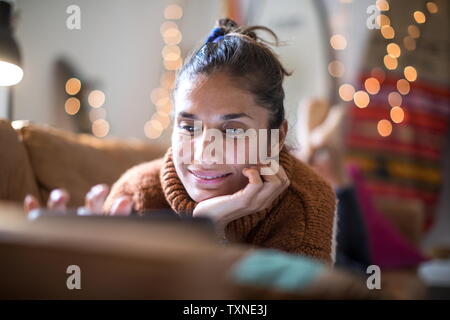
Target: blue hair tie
216, 35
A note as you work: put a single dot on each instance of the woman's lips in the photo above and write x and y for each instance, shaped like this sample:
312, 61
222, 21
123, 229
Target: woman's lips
209, 177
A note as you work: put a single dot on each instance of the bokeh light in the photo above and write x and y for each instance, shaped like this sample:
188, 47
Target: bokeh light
397, 115
336, 68
383, 20
346, 92
73, 86
419, 16
382, 5
393, 50
96, 98
100, 128
413, 31
384, 128
338, 42
403, 86
409, 43
171, 53
160, 96
372, 85
162, 117
387, 32
361, 99
72, 105
410, 73
395, 99
390, 63
153, 129
432, 7
173, 12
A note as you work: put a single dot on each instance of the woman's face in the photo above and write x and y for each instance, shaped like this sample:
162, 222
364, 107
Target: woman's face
221, 105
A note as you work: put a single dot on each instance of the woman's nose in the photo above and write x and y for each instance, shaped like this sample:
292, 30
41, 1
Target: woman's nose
209, 147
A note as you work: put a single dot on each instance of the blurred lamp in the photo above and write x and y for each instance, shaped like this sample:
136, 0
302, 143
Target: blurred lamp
10, 71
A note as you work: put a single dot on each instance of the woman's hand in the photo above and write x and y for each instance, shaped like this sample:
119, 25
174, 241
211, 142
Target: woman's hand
93, 202
258, 195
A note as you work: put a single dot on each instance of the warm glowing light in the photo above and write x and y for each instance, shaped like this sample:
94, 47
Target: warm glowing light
403, 86
372, 85
336, 68
395, 99
166, 108
171, 53
173, 12
387, 32
409, 43
361, 99
99, 113
162, 117
72, 105
432, 7
167, 80
338, 42
172, 36
346, 92
383, 20
419, 16
173, 65
100, 128
153, 129
10, 74
382, 5
73, 86
410, 73
414, 31
397, 115
160, 96
393, 50
167, 25
384, 128
379, 74
390, 62
96, 98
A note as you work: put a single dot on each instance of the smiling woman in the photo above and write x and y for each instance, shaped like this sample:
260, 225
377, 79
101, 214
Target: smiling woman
231, 85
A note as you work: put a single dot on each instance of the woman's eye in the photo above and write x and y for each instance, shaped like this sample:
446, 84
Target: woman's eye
235, 132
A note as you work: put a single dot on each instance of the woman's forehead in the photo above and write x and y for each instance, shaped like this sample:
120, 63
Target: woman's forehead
215, 94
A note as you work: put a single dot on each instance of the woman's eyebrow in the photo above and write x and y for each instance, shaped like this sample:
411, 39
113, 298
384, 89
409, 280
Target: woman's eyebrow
187, 115
232, 116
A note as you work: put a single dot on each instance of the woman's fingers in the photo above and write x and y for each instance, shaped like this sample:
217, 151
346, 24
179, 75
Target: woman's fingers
58, 200
274, 185
95, 198
30, 203
122, 206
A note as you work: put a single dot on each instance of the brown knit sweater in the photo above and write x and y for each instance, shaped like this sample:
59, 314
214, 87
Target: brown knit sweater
300, 220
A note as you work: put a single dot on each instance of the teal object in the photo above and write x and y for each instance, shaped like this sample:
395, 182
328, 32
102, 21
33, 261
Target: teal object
277, 270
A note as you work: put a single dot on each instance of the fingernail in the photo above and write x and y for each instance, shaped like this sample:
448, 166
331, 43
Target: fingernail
56, 195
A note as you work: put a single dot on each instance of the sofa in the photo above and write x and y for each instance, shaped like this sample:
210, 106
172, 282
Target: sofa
36, 159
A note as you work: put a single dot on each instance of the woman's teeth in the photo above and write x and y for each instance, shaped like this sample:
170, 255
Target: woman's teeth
209, 177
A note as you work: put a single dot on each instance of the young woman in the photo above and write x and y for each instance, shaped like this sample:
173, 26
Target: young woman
232, 83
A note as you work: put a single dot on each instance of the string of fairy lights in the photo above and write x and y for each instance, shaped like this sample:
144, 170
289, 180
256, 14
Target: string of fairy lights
96, 100
372, 85
172, 61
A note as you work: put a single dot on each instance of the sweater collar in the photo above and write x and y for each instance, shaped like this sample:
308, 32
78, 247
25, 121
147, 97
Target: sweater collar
180, 201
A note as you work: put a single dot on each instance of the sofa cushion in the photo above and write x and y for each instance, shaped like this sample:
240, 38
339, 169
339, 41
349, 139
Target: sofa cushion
16, 176
76, 162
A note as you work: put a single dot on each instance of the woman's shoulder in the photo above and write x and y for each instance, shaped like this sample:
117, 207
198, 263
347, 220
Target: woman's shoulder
141, 182
307, 183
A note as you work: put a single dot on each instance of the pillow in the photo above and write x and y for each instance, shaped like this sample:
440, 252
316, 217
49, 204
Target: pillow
76, 162
16, 175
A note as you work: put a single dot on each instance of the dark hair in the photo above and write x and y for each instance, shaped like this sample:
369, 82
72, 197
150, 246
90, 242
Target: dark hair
244, 56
